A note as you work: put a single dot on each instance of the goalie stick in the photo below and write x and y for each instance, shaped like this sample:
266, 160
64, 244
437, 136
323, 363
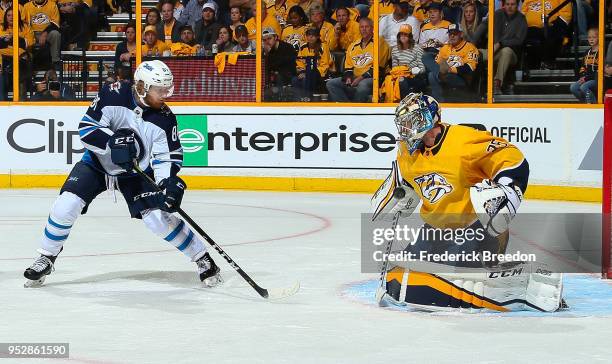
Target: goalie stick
270, 294
383, 269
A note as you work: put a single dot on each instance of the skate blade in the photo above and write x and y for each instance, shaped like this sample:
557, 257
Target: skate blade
212, 282
34, 283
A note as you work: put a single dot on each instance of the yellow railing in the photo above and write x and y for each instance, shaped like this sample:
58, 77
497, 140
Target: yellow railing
258, 92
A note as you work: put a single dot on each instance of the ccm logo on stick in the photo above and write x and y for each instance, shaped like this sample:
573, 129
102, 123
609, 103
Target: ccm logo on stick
60, 141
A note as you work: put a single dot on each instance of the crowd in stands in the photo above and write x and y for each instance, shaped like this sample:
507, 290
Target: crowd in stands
47, 27
323, 47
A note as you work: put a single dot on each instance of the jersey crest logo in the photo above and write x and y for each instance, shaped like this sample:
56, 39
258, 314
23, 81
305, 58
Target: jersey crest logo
363, 59
40, 18
495, 144
433, 186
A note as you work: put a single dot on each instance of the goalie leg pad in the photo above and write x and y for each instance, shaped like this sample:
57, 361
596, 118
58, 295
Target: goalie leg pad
175, 231
524, 287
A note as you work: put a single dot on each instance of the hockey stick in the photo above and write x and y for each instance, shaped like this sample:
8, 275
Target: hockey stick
381, 291
271, 294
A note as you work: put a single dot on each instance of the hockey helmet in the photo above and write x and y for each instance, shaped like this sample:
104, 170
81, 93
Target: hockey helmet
156, 78
414, 116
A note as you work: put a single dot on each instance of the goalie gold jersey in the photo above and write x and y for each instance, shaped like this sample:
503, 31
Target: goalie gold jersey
443, 174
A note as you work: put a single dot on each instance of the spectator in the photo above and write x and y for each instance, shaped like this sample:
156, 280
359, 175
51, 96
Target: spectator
225, 41
455, 63
268, 21
236, 18
187, 45
312, 64
193, 13
280, 10
407, 53
50, 89
585, 89
434, 35
420, 11
244, 44
385, 7
326, 29
25, 42
178, 9
295, 32
153, 47
153, 17
72, 26
451, 10
280, 62
558, 25
584, 13
207, 29
42, 16
474, 31
389, 25
306, 5
346, 31
126, 50
169, 26
509, 32
356, 83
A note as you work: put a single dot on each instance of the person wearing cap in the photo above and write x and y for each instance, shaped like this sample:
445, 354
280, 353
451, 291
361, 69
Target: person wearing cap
169, 26
434, 34
455, 63
193, 12
280, 60
152, 47
295, 32
187, 45
244, 44
407, 53
312, 64
207, 28
356, 83
326, 29
346, 30
390, 24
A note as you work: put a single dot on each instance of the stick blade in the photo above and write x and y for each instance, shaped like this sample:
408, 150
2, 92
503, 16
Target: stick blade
281, 293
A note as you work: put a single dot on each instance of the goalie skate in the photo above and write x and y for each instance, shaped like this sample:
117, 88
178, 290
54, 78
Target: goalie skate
37, 272
209, 271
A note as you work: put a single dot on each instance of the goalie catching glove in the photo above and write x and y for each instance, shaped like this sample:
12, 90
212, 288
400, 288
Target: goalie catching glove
393, 196
173, 190
496, 203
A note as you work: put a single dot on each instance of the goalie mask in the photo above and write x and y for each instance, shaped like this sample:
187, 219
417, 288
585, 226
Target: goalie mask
415, 115
157, 79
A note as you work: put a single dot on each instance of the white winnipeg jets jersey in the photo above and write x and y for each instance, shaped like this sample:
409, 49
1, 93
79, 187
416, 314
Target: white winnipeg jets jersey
155, 130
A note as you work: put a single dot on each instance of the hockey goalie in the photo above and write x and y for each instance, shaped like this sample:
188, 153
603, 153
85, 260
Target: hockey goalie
464, 179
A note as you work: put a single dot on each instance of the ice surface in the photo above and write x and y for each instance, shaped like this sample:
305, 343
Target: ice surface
121, 295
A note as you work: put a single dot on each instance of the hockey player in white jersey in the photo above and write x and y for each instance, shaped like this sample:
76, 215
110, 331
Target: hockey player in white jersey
125, 125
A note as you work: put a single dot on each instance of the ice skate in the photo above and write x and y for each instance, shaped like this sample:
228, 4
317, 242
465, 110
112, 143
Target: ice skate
209, 271
38, 271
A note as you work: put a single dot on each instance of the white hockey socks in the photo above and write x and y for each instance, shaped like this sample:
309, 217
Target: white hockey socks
176, 232
65, 211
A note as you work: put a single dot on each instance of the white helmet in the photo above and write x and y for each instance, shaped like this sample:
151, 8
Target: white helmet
414, 116
154, 74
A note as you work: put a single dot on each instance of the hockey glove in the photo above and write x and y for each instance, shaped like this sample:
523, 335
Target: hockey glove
123, 149
496, 203
174, 188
